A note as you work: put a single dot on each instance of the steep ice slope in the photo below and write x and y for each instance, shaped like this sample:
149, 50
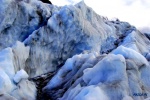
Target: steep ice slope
59, 30
72, 30
93, 58
113, 77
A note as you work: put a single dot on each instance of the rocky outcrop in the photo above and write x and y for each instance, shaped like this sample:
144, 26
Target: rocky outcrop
46, 1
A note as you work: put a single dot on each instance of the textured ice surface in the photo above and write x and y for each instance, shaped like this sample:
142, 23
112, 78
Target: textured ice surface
71, 30
131, 54
19, 18
20, 75
14, 84
25, 90
113, 77
93, 58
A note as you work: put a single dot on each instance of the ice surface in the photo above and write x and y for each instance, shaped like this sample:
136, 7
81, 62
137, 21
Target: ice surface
131, 54
93, 58
20, 75
6, 62
106, 70
11, 60
114, 77
25, 90
5, 83
67, 67
19, 18
70, 30
6, 96
136, 41
91, 93
21, 53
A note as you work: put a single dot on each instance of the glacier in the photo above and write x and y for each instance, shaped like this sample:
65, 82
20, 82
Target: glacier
14, 83
69, 52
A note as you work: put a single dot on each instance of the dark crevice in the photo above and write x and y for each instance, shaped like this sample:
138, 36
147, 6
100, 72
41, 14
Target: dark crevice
41, 81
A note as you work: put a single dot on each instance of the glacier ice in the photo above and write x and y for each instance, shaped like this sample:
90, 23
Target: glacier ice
14, 83
71, 28
114, 76
70, 53
5, 83
19, 19
7, 97
20, 75
131, 54
25, 90
107, 73
21, 53
91, 93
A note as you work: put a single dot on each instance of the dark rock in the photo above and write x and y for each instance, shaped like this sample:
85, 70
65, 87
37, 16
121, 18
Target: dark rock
46, 1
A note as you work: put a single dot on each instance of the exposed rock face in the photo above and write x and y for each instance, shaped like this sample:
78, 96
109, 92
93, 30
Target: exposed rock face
46, 1
89, 57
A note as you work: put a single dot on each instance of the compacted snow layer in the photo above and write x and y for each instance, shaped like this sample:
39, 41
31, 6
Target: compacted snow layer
93, 58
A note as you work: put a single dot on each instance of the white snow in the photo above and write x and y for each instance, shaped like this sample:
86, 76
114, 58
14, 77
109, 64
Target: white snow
20, 75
